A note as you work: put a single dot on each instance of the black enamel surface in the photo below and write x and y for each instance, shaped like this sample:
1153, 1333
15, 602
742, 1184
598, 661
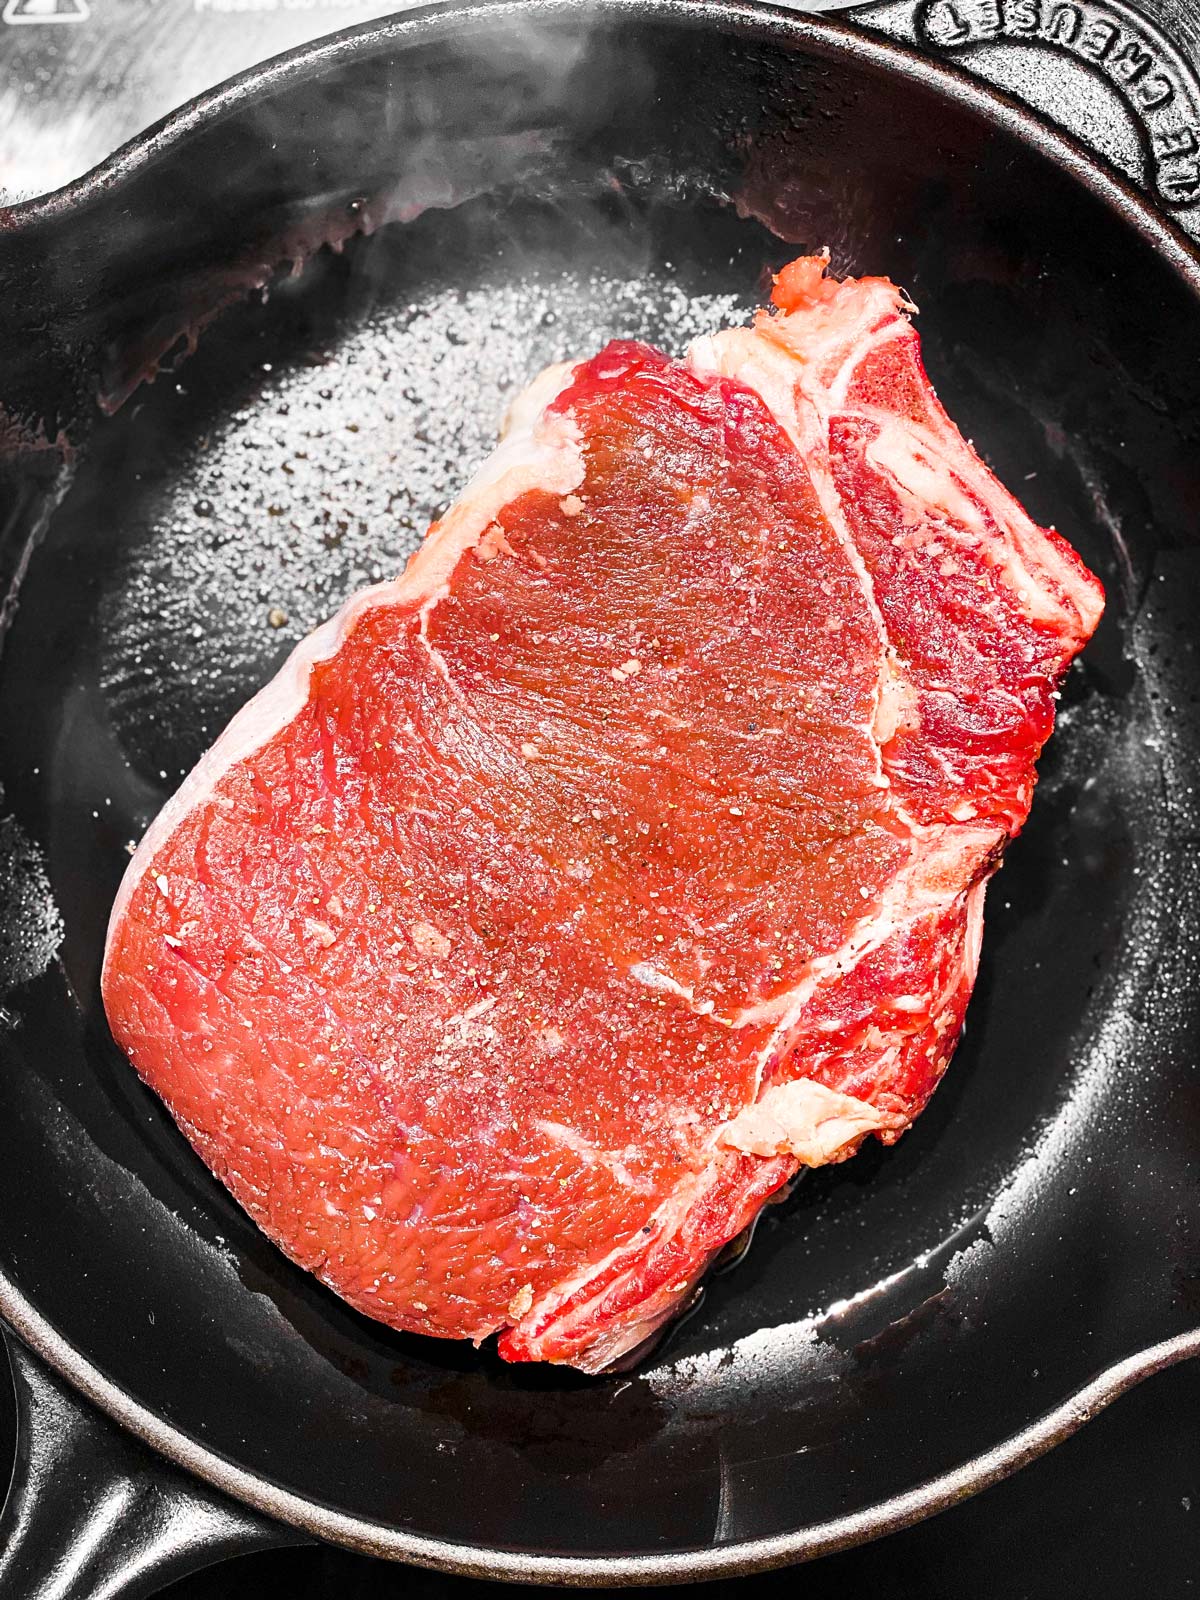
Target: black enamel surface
897, 1316
90, 1506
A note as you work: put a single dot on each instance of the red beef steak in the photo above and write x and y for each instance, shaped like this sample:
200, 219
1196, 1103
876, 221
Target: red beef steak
561, 898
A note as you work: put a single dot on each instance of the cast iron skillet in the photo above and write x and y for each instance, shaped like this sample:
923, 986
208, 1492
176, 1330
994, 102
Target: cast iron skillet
906, 1328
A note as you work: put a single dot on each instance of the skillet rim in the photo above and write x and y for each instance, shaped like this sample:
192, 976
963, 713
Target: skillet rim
834, 40
306, 61
698, 1564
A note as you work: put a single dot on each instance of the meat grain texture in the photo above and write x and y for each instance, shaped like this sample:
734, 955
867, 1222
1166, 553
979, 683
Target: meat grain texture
562, 897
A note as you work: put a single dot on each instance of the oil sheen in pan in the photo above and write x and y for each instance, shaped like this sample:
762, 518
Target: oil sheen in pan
325, 477
302, 452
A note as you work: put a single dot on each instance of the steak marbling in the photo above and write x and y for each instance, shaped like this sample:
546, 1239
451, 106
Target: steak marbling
562, 897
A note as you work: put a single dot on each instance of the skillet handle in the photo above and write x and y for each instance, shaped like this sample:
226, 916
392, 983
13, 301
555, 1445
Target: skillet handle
94, 1515
1123, 78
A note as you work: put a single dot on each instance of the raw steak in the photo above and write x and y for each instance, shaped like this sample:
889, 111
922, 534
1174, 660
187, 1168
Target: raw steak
559, 899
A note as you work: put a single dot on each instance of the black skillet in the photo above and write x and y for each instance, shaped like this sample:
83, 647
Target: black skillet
905, 1329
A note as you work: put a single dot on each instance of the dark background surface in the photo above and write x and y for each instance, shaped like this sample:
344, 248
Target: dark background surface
1113, 1512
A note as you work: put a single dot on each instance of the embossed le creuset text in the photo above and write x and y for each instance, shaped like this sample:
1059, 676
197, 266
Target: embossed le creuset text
1153, 79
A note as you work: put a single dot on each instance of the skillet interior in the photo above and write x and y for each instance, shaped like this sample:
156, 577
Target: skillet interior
897, 1316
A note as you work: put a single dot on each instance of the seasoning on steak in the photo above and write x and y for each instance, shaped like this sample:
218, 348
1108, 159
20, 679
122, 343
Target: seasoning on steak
561, 898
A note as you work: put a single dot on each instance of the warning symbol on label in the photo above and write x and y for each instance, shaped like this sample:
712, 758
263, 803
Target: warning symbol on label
46, 11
